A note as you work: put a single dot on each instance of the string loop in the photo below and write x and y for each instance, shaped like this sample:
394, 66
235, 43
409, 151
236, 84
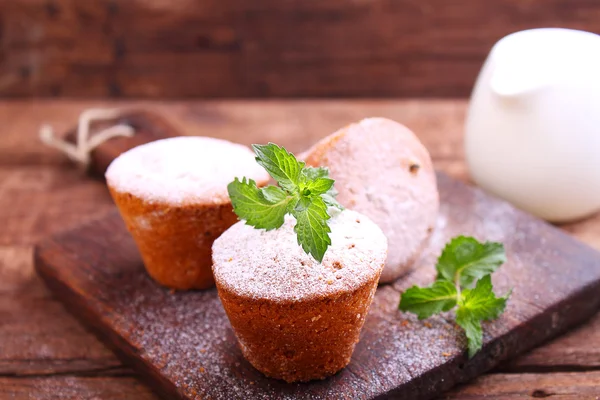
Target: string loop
80, 152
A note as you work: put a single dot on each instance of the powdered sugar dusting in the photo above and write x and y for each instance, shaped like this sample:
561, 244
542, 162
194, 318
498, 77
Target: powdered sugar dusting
186, 339
183, 169
270, 264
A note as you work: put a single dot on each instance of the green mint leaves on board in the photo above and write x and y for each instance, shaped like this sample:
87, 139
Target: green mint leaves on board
304, 192
464, 263
466, 260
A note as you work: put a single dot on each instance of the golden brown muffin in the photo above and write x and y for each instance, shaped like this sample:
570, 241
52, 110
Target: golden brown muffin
382, 170
172, 195
297, 319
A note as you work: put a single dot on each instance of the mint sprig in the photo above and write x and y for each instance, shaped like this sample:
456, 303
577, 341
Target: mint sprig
304, 192
464, 262
263, 208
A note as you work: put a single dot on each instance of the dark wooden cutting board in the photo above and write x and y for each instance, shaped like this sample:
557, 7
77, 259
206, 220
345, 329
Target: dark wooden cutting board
182, 343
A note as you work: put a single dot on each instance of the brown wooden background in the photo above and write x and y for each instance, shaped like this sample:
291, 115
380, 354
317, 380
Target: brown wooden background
242, 48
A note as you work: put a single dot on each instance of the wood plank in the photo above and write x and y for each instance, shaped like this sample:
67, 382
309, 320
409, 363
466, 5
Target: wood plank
41, 201
16, 268
73, 388
166, 336
578, 350
295, 124
587, 230
37, 336
328, 48
557, 386
562, 386
40, 338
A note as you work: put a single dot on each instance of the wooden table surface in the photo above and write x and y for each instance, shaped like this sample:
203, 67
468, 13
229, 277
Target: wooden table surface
46, 354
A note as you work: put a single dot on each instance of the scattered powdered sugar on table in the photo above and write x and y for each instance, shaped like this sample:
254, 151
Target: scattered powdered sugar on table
183, 169
187, 339
270, 264
186, 336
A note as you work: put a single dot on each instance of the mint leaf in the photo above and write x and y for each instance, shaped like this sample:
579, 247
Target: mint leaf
317, 186
273, 194
440, 296
311, 226
261, 208
481, 302
329, 198
312, 173
472, 328
280, 164
465, 260
305, 192
476, 305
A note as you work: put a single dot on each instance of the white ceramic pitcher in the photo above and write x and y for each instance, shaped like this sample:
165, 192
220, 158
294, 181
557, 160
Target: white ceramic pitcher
533, 126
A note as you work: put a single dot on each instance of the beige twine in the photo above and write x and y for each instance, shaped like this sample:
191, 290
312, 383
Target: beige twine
84, 145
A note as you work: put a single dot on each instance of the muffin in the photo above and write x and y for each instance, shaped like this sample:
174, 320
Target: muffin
297, 319
172, 195
382, 170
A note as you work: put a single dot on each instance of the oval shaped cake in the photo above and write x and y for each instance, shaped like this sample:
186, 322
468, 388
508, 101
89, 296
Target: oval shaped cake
382, 170
297, 319
172, 195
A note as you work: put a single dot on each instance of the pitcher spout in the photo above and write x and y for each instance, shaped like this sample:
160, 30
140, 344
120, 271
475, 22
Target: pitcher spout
513, 83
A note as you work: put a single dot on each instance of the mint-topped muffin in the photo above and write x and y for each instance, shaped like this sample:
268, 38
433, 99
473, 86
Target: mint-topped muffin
297, 276
295, 318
